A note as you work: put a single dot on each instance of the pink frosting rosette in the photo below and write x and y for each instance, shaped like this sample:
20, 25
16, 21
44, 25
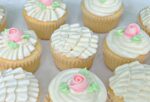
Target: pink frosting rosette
46, 2
132, 30
79, 83
15, 34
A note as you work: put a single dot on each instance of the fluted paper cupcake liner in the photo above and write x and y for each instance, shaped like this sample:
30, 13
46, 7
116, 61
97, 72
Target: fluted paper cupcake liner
3, 25
147, 30
63, 62
113, 60
29, 63
43, 29
101, 24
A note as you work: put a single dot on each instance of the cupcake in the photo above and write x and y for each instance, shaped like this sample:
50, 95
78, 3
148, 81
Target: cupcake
18, 86
124, 45
2, 18
144, 19
76, 85
101, 15
130, 83
19, 49
44, 16
73, 46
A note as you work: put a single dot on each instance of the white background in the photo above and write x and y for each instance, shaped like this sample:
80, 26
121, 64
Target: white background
47, 69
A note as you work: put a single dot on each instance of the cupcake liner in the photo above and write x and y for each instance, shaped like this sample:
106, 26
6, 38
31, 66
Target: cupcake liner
113, 98
43, 29
3, 25
113, 60
101, 24
63, 62
47, 99
29, 63
144, 27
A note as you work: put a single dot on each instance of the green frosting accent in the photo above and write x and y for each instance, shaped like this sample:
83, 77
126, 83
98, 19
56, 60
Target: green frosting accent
119, 32
137, 38
64, 88
13, 45
56, 4
26, 36
41, 5
102, 1
6, 30
93, 87
84, 72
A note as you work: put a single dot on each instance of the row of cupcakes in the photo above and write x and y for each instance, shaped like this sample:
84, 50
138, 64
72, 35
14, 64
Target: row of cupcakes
130, 83
45, 16
74, 46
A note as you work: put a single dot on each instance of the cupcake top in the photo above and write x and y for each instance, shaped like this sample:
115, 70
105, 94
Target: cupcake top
145, 17
132, 82
18, 86
103, 7
45, 10
16, 44
2, 14
77, 85
74, 41
129, 42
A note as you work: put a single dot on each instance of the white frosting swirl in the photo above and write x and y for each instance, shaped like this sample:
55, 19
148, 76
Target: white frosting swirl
39, 11
103, 7
2, 14
74, 41
18, 86
125, 47
145, 17
132, 82
22, 49
65, 76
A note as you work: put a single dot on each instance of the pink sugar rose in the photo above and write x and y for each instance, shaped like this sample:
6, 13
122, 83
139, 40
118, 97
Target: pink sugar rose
78, 83
46, 2
132, 30
15, 34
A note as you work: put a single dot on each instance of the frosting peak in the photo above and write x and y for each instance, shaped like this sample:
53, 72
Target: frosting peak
46, 2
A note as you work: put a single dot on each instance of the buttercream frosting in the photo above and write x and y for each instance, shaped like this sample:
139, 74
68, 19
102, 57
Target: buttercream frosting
43, 11
132, 81
77, 85
17, 45
2, 14
129, 42
17, 85
103, 7
74, 41
145, 16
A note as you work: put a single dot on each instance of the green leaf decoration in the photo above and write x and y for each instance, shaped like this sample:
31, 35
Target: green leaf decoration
26, 36
56, 4
137, 38
64, 88
84, 72
102, 1
93, 87
6, 30
41, 5
119, 32
13, 45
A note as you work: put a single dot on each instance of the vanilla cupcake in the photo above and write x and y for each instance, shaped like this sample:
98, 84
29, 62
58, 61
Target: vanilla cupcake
44, 16
19, 49
73, 46
76, 85
2, 18
124, 45
18, 86
101, 15
130, 83
144, 19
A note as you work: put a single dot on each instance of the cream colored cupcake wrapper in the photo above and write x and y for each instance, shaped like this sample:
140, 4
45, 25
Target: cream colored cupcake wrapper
44, 29
101, 24
29, 64
3, 25
112, 60
63, 62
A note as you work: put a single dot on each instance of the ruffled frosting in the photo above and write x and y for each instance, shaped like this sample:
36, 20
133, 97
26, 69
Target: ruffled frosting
18, 86
132, 82
145, 17
2, 13
39, 11
65, 77
74, 41
103, 7
123, 46
17, 50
